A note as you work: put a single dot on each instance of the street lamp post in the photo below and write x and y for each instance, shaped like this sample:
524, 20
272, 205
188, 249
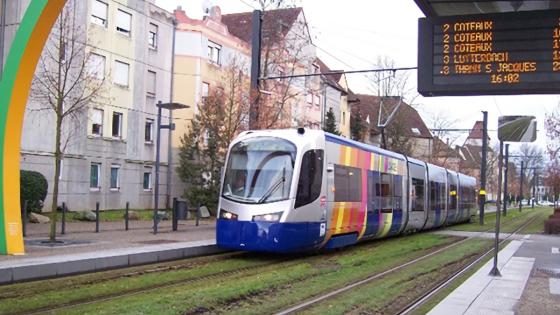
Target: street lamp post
170, 126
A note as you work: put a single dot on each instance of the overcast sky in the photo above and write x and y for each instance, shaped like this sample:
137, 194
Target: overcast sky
350, 34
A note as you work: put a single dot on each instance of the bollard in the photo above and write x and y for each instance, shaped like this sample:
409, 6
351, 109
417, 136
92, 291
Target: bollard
174, 214
97, 217
197, 214
24, 217
63, 223
126, 217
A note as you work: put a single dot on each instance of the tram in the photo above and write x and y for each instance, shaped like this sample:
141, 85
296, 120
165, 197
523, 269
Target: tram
298, 190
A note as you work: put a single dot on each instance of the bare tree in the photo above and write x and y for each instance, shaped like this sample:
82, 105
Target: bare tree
552, 125
65, 83
221, 116
390, 82
286, 50
443, 138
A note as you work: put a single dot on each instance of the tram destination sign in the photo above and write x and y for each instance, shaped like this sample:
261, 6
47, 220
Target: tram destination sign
490, 54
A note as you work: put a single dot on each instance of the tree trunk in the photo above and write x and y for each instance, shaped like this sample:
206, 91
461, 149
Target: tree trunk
57, 160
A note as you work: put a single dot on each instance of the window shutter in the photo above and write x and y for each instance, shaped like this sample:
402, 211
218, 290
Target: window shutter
99, 9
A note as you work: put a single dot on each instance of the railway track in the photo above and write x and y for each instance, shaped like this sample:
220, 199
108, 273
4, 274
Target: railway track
408, 309
416, 302
281, 263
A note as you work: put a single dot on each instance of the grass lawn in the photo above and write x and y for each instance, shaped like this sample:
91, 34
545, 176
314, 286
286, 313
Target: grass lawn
267, 284
508, 223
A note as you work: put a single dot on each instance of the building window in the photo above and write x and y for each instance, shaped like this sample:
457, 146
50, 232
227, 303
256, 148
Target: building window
149, 130
343, 117
123, 22
121, 73
114, 185
94, 176
147, 179
97, 122
205, 91
152, 36
416, 131
99, 13
317, 100
309, 98
214, 51
96, 66
117, 125
151, 84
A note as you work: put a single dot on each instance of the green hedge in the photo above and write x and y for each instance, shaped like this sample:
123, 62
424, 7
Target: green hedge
33, 188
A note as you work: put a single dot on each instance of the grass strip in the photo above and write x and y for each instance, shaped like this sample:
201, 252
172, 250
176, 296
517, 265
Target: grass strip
270, 290
394, 291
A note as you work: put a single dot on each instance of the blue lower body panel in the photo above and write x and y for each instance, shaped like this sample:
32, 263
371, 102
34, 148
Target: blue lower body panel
338, 241
268, 236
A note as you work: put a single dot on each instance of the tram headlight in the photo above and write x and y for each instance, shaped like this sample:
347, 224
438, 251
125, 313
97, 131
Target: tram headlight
226, 215
269, 217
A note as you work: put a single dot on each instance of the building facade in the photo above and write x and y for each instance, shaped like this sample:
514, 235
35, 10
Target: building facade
109, 144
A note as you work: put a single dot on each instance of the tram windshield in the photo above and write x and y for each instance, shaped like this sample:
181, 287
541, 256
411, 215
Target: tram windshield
259, 170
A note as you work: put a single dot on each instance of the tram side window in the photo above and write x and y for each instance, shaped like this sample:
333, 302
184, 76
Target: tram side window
310, 178
442, 196
386, 190
433, 196
418, 194
347, 183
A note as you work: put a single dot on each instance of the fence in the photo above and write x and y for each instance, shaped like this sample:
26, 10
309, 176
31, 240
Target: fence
178, 212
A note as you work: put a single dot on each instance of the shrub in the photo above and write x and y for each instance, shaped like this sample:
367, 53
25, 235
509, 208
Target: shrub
33, 188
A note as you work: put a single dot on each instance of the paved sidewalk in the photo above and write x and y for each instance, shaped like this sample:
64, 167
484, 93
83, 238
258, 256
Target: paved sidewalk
522, 288
112, 247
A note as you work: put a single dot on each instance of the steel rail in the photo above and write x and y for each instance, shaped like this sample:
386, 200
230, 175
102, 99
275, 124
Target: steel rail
169, 284
428, 295
351, 286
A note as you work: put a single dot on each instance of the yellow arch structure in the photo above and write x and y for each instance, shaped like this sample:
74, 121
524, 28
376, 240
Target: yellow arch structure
14, 90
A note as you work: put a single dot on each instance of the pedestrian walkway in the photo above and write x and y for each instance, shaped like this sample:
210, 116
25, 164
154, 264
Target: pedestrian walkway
519, 290
83, 250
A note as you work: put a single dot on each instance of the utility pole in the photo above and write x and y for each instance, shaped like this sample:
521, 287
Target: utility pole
521, 188
506, 197
2, 33
255, 70
495, 272
482, 192
535, 179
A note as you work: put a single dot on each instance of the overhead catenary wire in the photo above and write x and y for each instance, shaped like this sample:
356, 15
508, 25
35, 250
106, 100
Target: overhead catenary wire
337, 72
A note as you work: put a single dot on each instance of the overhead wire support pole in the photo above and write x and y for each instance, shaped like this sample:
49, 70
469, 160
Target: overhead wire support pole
255, 69
495, 272
482, 192
506, 197
521, 187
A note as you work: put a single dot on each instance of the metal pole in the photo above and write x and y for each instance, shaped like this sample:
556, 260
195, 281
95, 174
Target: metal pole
255, 69
534, 187
197, 214
482, 192
126, 216
156, 188
24, 217
97, 217
2, 37
521, 187
63, 223
174, 214
506, 197
495, 272
169, 135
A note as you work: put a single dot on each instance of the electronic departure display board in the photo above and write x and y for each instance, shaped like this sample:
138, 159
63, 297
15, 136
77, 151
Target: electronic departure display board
490, 54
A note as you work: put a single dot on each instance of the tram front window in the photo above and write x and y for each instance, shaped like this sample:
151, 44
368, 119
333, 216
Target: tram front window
259, 170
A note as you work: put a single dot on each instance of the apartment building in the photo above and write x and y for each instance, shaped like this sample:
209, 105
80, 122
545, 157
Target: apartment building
110, 144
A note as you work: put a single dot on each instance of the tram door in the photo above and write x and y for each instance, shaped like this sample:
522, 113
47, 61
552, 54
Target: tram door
417, 199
